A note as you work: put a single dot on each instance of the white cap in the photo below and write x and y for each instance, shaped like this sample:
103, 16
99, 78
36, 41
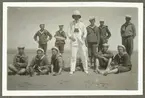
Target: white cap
40, 49
55, 49
128, 16
101, 19
91, 17
122, 47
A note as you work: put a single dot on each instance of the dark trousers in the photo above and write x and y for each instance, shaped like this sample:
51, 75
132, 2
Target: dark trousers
128, 43
102, 41
60, 46
44, 47
92, 49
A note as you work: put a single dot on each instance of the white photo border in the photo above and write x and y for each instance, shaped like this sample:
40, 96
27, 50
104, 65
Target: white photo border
6, 92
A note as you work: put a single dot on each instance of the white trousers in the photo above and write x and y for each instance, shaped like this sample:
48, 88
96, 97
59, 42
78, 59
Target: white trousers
82, 49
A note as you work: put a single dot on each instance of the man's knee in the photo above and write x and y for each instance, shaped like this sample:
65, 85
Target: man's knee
22, 71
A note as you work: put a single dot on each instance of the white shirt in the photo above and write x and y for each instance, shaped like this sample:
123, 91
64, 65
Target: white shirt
78, 31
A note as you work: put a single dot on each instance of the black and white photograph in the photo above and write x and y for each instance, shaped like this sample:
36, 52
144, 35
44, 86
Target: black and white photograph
72, 48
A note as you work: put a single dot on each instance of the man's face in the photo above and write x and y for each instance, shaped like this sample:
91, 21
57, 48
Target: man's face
42, 26
105, 48
92, 21
54, 52
101, 23
21, 51
127, 19
120, 50
40, 53
76, 17
61, 27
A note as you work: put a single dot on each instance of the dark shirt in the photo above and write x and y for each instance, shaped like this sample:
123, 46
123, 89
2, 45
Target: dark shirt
42, 36
93, 34
123, 60
60, 34
57, 62
104, 32
37, 62
23, 59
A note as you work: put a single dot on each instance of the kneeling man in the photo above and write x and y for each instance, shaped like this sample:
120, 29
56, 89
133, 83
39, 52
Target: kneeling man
103, 59
121, 62
57, 62
20, 62
39, 64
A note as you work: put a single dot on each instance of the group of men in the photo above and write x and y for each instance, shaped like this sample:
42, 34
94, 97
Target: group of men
90, 41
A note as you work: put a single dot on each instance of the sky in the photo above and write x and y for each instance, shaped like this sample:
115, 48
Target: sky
24, 22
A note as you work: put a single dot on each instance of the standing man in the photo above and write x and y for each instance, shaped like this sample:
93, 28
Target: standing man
39, 64
128, 33
20, 62
60, 39
93, 39
105, 34
77, 34
42, 34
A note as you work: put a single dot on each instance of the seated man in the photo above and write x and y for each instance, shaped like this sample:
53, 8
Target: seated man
39, 64
57, 62
103, 59
20, 62
121, 62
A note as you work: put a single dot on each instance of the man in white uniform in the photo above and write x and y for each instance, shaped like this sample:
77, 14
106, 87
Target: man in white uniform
77, 34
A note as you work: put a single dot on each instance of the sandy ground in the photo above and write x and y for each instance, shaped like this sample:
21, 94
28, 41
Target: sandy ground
78, 81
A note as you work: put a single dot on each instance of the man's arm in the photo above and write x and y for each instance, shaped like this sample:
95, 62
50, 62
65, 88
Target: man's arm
108, 55
98, 35
109, 33
134, 30
25, 64
126, 60
49, 34
35, 36
60, 60
84, 32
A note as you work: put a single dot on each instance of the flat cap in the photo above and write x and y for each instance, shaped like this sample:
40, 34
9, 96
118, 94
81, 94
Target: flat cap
128, 16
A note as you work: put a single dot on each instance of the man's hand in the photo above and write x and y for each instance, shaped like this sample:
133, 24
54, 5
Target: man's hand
73, 39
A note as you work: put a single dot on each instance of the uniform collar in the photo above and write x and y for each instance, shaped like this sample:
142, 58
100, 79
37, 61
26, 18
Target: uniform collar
40, 58
41, 31
122, 54
102, 26
92, 26
21, 55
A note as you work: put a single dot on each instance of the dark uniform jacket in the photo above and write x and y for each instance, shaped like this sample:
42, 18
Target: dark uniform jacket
57, 62
104, 33
23, 59
37, 62
122, 60
42, 36
93, 34
128, 30
60, 34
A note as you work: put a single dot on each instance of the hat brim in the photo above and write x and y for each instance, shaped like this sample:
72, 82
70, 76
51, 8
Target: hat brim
76, 15
21, 47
